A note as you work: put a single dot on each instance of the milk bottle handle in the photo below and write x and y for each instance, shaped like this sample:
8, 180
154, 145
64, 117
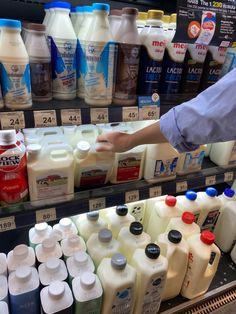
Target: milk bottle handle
50, 146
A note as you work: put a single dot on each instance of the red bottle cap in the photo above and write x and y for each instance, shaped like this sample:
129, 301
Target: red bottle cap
207, 237
188, 218
170, 200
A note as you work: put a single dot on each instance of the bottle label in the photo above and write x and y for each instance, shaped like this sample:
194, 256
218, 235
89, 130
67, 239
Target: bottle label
165, 168
212, 258
210, 220
15, 81
193, 161
53, 185
63, 66
93, 306
128, 168
123, 302
208, 26
232, 159
41, 79
81, 66
93, 176
127, 71
25, 303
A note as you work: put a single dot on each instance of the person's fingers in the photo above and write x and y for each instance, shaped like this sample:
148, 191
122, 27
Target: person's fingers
104, 147
102, 138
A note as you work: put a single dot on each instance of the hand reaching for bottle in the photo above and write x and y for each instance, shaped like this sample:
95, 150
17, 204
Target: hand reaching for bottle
118, 142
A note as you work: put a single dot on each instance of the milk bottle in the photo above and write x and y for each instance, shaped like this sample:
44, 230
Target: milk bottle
90, 223
79, 11
100, 55
151, 270
20, 255
150, 203
47, 13
87, 132
141, 21
127, 59
174, 248
38, 233
47, 249
78, 264
87, 291
189, 202
118, 293
3, 289
203, 261
114, 19
191, 161
224, 153
4, 308
233, 254
67, 227
3, 264
226, 196
166, 22
57, 298
118, 218
137, 209
101, 245
63, 50
161, 214
71, 245
52, 6
132, 238
160, 163
225, 231
24, 290
210, 206
73, 16
15, 70
53, 270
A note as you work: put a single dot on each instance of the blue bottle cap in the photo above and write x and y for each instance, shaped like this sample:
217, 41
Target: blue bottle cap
46, 6
191, 195
61, 5
79, 9
101, 6
212, 192
73, 10
10, 23
229, 192
88, 8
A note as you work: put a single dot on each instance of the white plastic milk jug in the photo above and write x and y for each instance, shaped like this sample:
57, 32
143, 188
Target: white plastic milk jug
67, 227
71, 245
38, 233
150, 203
20, 255
47, 249
53, 270
189, 202
224, 153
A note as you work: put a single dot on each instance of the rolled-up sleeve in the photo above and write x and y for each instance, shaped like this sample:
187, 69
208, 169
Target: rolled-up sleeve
208, 118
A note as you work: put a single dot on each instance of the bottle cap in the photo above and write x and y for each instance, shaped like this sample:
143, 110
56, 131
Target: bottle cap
155, 15
72, 10
105, 235
73, 240
122, 210
118, 261
212, 192
80, 258
7, 137
174, 236
61, 5
101, 7
166, 19
130, 11
142, 16
87, 280
136, 228
34, 148
79, 9
46, 6
52, 264
88, 9
173, 18
56, 290
83, 148
116, 12
49, 244
191, 195
93, 216
23, 273
65, 223
207, 237
229, 192
21, 251
188, 218
41, 228
10, 23
37, 27
152, 251
170, 200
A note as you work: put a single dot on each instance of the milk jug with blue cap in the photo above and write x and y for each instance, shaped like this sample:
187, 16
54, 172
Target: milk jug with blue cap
189, 202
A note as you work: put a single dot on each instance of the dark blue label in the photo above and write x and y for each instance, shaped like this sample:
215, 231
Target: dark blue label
26, 303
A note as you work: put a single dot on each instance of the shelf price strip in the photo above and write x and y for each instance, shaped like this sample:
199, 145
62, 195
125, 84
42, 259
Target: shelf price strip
211, 180
181, 186
155, 191
45, 215
132, 196
45, 118
228, 176
97, 203
99, 115
7, 223
130, 114
12, 120
71, 117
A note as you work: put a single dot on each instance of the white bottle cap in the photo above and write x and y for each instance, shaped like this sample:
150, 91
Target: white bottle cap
23, 273
21, 251
41, 227
87, 280
52, 265
7, 137
80, 258
56, 290
34, 148
65, 223
83, 148
49, 244
73, 241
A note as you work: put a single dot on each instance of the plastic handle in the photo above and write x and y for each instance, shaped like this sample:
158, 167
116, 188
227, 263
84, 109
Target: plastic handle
57, 145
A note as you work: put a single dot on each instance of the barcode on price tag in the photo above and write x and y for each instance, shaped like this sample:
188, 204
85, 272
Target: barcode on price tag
131, 196
150, 113
155, 191
45, 118
12, 120
99, 115
130, 114
210, 180
97, 203
45, 215
71, 117
7, 223
228, 176
181, 186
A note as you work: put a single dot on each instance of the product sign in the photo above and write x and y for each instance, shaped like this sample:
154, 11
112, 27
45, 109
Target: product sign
206, 22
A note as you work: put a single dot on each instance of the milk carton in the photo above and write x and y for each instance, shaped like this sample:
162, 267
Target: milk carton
191, 161
224, 154
67, 227
4, 308
38, 233
204, 258
189, 202
3, 289
137, 209
71, 245
20, 255
53, 270
3, 264
47, 249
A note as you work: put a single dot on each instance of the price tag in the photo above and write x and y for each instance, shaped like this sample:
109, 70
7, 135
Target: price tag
45, 215
210, 180
150, 113
228, 176
99, 115
12, 120
7, 223
97, 203
181, 186
45, 118
155, 191
131, 196
129, 114
71, 117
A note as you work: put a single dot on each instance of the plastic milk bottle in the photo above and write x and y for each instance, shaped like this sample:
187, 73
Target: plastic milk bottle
53, 270
20, 255
189, 202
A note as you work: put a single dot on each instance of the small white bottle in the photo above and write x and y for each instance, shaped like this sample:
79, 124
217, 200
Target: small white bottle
20, 255
132, 238
73, 16
191, 161
4, 308
79, 263
71, 245
3, 264
118, 218
3, 289
67, 227
87, 291
24, 290
53, 270
151, 268
118, 293
56, 234
188, 202
141, 21
224, 153
79, 11
47, 249
233, 254
204, 258
176, 250
101, 245
39, 233
57, 298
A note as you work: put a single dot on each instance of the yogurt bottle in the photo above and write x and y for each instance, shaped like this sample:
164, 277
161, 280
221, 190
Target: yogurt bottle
67, 227
47, 13
224, 153
47, 249
39, 233
141, 21
101, 245
20, 255
71, 245
51, 7
3, 264
191, 161
151, 270
73, 16
189, 202
4, 308
3, 289
114, 19
15, 69
87, 291
118, 293
53, 270
166, 22
79, 13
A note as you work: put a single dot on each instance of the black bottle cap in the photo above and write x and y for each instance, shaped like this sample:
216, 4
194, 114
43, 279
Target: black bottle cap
174, 236
122, 210
152, 251
136, 228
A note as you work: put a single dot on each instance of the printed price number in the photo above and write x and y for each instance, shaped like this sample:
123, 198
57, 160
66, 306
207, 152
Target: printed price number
217, 4
97, 203
46, 118
129, 114
12, 120
71, 117
155, 191
7, 223
99, 115
150, 113
131, 196
45, 215
210, 180
228, 176
181, 186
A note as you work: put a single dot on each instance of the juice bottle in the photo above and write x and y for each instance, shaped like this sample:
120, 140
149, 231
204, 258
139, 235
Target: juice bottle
52, 270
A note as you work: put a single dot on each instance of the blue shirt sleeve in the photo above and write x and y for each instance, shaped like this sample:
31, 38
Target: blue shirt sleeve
208, 118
